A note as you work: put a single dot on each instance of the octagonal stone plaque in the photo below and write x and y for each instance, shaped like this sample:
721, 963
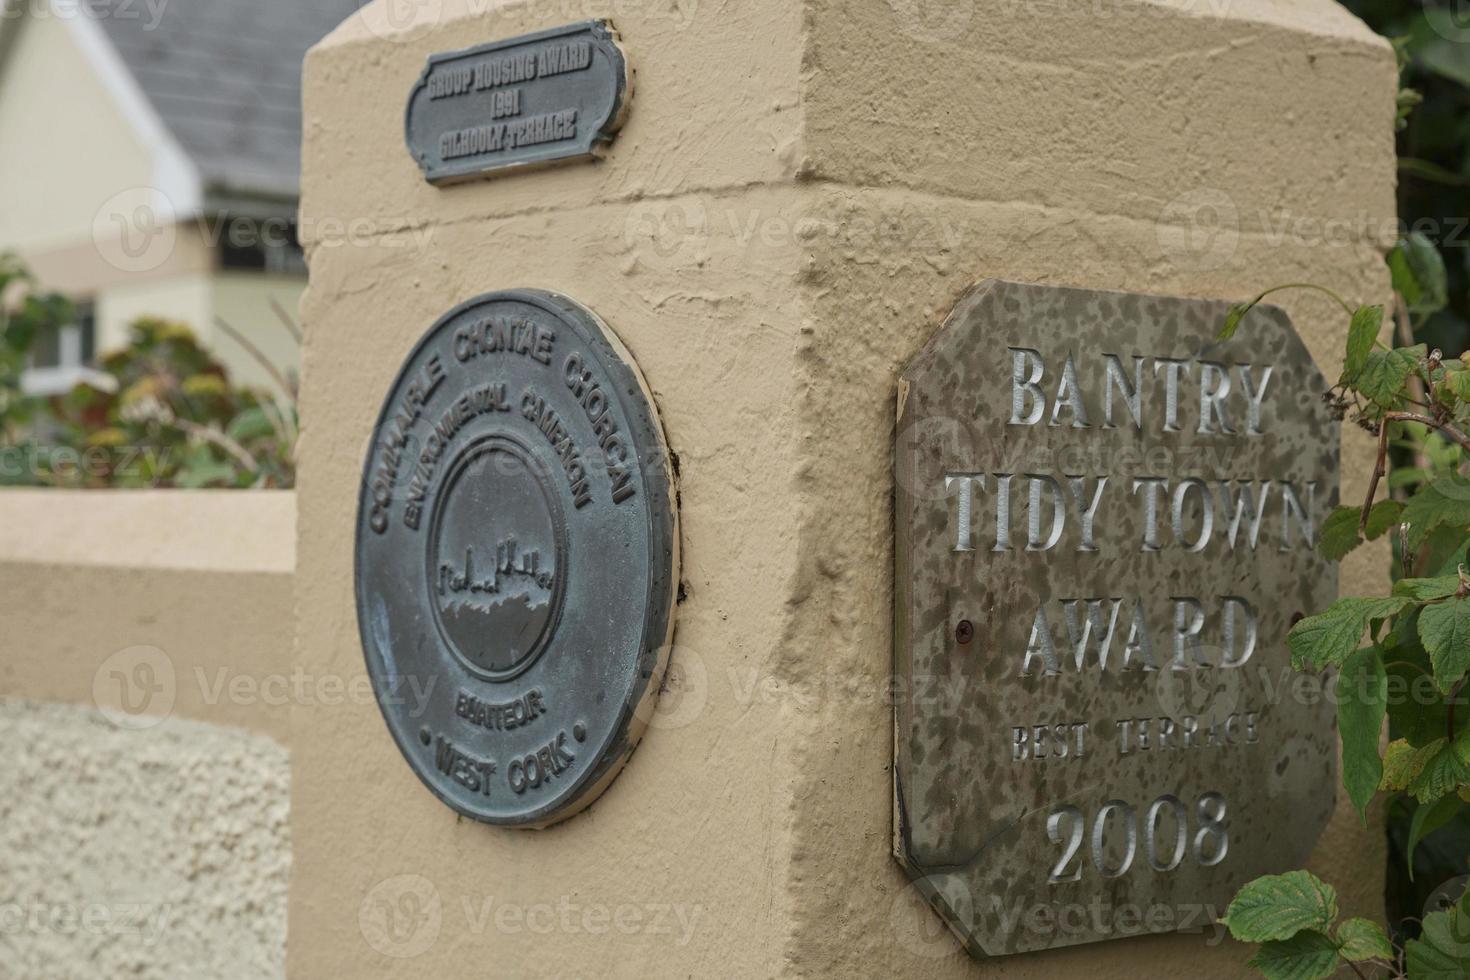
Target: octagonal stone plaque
1106, 524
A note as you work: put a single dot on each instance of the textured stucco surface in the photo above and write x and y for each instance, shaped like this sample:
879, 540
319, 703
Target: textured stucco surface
145, 678
158, 853
801, 193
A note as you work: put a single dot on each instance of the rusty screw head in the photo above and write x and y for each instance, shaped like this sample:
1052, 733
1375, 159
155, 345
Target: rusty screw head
964, 632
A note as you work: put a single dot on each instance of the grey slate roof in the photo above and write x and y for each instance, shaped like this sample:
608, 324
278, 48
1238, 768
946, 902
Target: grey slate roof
225, 76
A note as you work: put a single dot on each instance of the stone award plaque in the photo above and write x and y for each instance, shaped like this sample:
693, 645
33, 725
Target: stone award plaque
517, 104
517, 558
1106, 524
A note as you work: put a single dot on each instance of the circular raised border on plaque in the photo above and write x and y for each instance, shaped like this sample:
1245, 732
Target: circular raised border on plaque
517, 485
520, 660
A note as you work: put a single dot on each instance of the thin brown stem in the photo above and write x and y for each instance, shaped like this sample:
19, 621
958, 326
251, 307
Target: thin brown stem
259, 356
1379, 468
1444, 428
295, 331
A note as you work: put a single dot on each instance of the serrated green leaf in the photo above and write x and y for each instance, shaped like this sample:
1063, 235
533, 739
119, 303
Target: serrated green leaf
1232, 320
1402, 762
1444, 628
1458, 384
1277, 907
1384, 515
1424, 962
1363, 939
1428, 819
1407, 476
1306, 956
1443, 948
1362, 702
1385, 372
1340, 534
1418, 272
1362, 335
1445, 501
1427, 589
1327, 638
1444, 773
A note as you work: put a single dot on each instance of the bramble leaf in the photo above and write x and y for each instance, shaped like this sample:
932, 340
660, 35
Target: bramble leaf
1444, 773
1445, 630
1362, 939
1385, 371
1362, 335
1362, 701
1386, 514
1232, 320
1427, 589
1402, 762
1428, 819
1306, 956
1277, 907
1340, 533
1445, 501
1418, 272
1327, 638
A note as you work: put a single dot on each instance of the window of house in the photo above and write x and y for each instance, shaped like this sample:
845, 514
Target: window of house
261, 246
64, 357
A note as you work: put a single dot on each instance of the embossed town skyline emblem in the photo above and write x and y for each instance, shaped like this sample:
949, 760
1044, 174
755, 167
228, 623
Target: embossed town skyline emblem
517, 558
1105, 525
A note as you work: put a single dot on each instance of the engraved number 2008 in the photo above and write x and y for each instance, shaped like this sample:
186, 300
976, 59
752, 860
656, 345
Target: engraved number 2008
1067, 826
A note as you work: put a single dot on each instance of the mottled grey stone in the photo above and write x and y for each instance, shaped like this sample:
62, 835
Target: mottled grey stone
981, 831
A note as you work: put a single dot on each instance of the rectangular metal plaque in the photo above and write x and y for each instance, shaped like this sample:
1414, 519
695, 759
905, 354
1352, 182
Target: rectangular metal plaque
525, 102
1106, 524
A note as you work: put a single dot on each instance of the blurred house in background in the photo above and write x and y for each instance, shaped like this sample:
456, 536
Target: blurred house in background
149, 160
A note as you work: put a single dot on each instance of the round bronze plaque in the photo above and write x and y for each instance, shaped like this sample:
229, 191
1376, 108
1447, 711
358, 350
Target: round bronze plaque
517, 558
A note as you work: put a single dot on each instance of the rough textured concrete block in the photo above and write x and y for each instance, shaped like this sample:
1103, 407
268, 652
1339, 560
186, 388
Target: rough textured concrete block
162, 852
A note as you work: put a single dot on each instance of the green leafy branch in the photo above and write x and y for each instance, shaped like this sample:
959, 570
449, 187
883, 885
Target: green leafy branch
1415, 401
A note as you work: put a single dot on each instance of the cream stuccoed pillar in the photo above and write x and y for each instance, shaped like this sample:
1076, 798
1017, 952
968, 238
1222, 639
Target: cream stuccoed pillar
801, 192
